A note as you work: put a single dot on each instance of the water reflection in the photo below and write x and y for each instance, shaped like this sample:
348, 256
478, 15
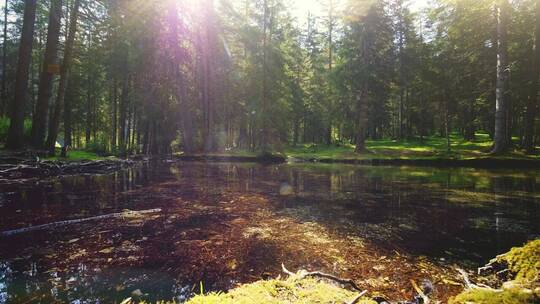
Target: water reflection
220, 221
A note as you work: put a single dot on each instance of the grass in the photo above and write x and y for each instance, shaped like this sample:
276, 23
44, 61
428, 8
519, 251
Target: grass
76, 155
432, 147
429, 148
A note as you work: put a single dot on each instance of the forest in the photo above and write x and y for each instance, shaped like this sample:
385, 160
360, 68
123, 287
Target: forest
270, 151
157, 77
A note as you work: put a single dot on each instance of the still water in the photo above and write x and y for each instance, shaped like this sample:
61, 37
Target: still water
221, 224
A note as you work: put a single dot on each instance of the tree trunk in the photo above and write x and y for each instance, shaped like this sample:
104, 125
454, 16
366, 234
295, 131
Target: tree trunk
4, 104
123, 109
114, 101
208, 89
181, 85
88, 127
67, 119
264, 135
532, 102
16, 127
500, 144
362, 103
39, 121
54, 124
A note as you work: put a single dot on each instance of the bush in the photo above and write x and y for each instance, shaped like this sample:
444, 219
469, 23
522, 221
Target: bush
98, 145
4, 127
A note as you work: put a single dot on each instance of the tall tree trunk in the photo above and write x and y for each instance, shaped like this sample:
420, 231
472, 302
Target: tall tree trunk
264, 110
501, 137
208, 92
362, 95
16, 127
4, 104
67, 118
532, 102
181, 84
114, 114
88, 127
39, 120
362, 124
123, 115
54, 123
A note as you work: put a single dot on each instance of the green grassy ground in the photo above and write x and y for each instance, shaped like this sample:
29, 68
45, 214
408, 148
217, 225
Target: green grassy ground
76, 155
429, 148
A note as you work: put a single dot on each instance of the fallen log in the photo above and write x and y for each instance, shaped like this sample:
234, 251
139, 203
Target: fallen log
318, 274
76, 221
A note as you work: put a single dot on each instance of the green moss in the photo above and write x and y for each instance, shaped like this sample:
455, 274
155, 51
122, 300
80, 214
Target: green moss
524, 262
486, 296
291, 291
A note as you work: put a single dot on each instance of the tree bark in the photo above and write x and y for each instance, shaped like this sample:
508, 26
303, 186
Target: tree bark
67, 119
89, 90
362, 102
208, 90
15, 138
532, 102
54, 124
39, 120
500, 144
114, 114
4, 104
123, 115
181, 84
264, 135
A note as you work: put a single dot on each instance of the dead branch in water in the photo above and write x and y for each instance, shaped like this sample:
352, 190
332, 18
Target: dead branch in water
357, 298
470, 285
36, 168
69, 222
303, 274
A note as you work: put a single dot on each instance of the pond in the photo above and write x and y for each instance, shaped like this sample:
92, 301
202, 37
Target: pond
220, 224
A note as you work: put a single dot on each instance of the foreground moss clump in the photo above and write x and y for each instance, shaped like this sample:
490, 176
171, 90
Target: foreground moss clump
485, 296
523, 263
292, 290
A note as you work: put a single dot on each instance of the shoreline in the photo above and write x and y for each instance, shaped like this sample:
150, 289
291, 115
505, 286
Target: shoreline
483, 163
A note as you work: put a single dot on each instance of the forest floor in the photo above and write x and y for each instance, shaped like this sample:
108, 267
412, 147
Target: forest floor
429, 148
78, 155
427, 151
